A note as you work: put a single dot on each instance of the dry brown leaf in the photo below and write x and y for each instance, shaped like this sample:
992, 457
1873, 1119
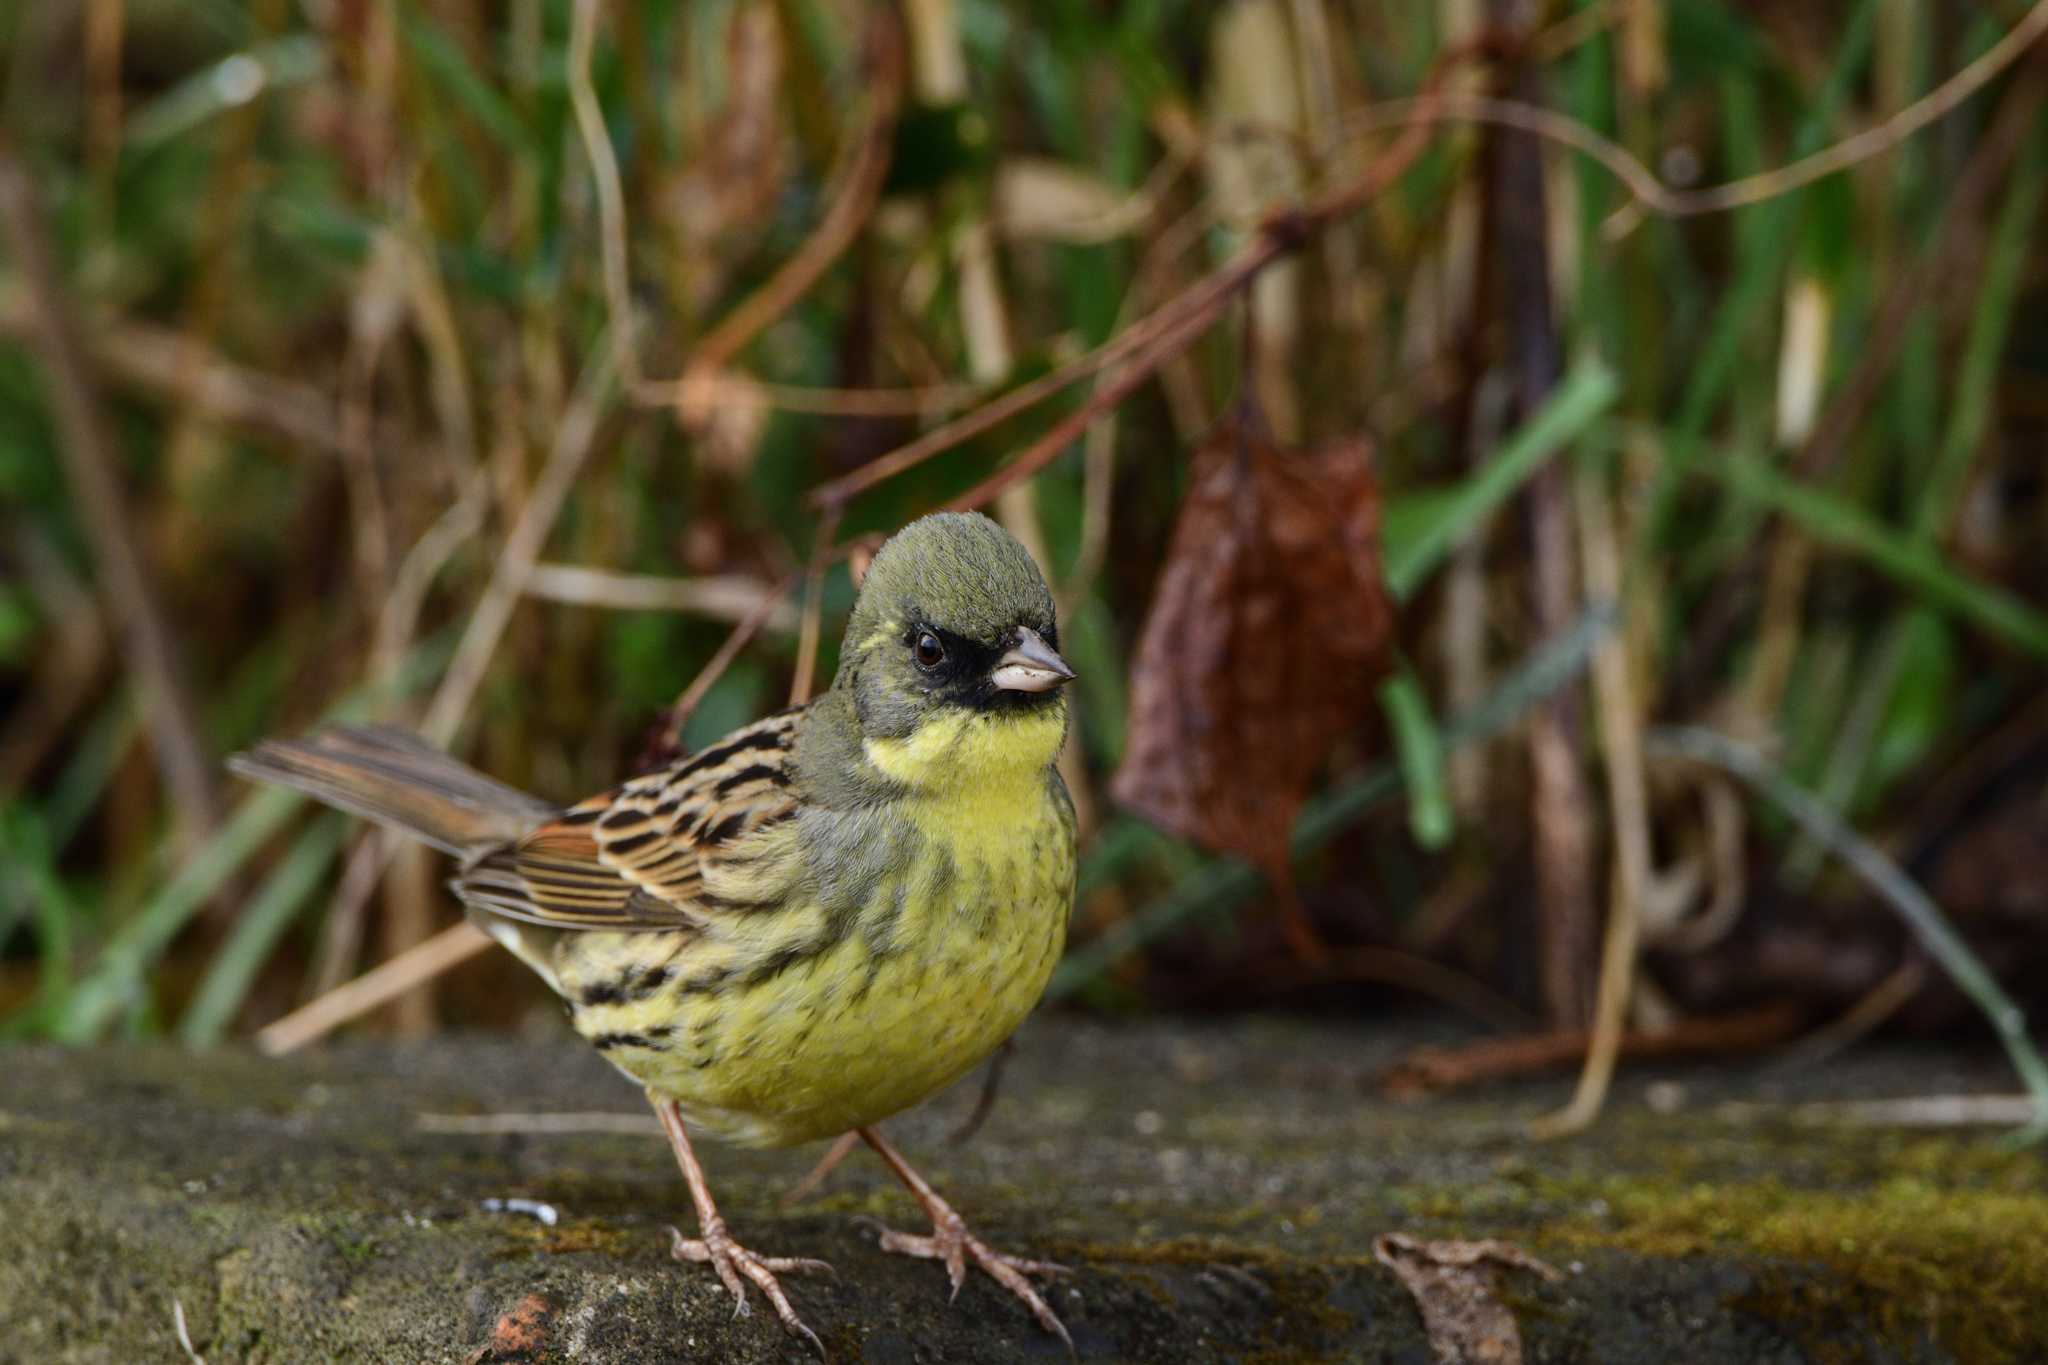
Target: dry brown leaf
1267, 633
1452, 1284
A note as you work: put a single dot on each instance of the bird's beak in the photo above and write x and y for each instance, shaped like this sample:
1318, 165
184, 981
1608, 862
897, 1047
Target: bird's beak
1031, 665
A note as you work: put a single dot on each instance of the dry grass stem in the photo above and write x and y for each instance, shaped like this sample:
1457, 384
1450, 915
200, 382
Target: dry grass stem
1646, 191
723, 597
67, 674
168, 363
1147, 343
92, 463
1628, 803
802, 677
574, 441
1861, 1019
456, 944
693, 695
611, 195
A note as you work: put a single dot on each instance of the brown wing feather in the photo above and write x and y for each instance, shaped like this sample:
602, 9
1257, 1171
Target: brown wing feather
635, 857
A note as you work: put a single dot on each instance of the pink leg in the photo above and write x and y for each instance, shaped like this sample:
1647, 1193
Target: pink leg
952, 1244
716, 1246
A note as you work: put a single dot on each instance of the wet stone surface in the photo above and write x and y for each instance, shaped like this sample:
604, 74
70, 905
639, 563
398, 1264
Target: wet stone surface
1216, 1186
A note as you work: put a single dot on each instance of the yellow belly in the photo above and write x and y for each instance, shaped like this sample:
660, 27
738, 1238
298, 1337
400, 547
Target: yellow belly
767, 1039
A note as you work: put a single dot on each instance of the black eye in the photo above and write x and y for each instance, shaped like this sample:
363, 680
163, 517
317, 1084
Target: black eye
928, 651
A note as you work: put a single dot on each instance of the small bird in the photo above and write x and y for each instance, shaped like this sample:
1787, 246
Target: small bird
815, 923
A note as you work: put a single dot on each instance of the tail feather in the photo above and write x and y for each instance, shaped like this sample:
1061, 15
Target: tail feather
400, 781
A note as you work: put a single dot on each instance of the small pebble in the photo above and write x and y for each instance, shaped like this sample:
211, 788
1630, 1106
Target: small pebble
1664, 1097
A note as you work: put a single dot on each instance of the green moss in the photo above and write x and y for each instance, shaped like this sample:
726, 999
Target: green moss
1964, 1267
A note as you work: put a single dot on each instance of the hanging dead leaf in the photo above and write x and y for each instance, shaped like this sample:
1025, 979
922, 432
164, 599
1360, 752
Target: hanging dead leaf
1268, 629
1452, 1284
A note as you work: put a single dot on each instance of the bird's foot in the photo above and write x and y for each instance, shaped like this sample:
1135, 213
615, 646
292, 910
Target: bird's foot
951, 1243
735, 1264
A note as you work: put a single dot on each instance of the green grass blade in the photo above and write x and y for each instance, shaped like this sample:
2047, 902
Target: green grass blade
84, 780
442, 59
1911, 562
1885, 877
31, 886
1419, 749
1419, 533
116, 982
2013, 240
262, 921
1765, 238
227, 84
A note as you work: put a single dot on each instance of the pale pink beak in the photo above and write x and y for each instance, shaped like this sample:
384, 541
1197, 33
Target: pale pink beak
1031, 665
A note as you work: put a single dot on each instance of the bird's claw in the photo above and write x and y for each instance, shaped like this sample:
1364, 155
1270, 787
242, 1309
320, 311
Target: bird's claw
732, 1262
951, 1244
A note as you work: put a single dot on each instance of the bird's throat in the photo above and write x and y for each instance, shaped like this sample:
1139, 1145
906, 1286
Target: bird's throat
996, 756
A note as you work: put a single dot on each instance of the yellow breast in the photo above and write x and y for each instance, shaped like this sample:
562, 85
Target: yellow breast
798, 1022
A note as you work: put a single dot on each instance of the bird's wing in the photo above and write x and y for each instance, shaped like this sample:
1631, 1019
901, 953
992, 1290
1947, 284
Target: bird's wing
637, 857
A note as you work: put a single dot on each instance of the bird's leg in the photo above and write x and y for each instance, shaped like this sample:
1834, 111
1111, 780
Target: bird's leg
840, 1148
715, 1245
952, 1244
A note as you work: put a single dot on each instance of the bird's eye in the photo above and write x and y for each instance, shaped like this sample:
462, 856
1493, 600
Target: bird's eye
928, 651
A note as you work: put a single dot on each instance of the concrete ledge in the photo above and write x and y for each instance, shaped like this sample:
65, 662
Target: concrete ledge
1217, 1188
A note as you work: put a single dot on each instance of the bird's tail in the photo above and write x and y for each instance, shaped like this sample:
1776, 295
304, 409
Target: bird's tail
401, 781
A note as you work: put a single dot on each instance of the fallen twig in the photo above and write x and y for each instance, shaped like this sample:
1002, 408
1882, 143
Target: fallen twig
538, 1125
1923, 1111
1394, 967
1433, 1069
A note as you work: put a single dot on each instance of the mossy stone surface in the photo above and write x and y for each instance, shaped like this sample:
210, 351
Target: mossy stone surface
1216, 1186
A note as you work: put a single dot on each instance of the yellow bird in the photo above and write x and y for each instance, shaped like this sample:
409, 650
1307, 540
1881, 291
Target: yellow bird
817, 922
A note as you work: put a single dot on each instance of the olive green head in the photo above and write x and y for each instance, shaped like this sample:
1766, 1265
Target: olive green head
953, 616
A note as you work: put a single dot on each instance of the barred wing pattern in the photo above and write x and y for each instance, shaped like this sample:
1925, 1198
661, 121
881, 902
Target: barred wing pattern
636, 857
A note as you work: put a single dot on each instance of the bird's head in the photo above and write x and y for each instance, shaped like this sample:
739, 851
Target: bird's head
951, 658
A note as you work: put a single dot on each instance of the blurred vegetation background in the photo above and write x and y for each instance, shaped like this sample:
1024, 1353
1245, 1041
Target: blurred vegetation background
473, 366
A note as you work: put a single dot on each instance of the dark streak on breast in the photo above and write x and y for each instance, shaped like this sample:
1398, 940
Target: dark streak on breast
627, 990
605, 1042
